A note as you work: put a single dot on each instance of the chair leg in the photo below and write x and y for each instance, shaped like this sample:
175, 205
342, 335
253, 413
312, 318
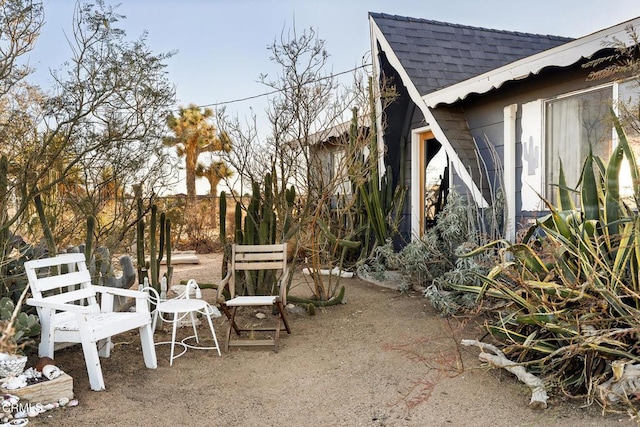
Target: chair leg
148, 347
229, 315
45, 349
232, 325
276, 339
104, 347
283, 316
154, 322
94, 369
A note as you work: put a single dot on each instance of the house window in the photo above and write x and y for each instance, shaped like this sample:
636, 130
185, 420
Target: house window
339, 174
574, 125
628, 107
577, 123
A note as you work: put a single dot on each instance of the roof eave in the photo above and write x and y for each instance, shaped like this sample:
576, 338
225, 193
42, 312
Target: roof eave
378, 37
560, 56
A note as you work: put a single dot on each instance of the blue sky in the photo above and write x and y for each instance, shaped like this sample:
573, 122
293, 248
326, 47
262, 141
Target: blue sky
222, 45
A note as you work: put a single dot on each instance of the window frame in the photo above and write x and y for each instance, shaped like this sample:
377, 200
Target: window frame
545, 144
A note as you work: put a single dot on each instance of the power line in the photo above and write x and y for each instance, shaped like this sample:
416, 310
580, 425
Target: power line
215, 104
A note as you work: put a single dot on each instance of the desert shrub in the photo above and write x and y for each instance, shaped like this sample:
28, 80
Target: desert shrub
570, 291
435, 262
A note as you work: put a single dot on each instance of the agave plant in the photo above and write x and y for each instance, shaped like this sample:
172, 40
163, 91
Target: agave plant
571, 289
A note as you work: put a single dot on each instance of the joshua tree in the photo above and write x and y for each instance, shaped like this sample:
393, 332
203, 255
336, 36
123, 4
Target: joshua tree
215, 172
194, 134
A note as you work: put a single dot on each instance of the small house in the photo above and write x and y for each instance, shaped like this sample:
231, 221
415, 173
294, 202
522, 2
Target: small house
489, 110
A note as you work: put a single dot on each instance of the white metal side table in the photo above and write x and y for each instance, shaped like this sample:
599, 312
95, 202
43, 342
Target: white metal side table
179, 308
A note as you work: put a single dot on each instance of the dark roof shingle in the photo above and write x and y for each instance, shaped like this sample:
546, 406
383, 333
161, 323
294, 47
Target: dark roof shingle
426, 48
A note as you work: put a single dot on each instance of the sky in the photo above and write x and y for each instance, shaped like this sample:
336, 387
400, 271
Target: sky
221, 45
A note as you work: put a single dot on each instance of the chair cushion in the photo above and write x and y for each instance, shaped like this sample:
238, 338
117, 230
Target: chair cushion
102, 325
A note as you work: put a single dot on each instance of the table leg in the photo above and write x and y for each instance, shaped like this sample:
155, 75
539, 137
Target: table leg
173, 336
213, 332
193, 324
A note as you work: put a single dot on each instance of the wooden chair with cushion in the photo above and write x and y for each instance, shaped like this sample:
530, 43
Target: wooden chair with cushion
256, 260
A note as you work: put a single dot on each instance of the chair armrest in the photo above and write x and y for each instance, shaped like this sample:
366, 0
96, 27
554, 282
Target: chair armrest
223, 284
108, 292
284, 281
130, 293
58, 306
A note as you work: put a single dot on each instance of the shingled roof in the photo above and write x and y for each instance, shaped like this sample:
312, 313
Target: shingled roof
439, 54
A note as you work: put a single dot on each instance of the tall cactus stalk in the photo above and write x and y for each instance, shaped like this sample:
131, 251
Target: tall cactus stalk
167, 239
142, 263
238, 233
153, 265
223, 232
4, 200
159, 245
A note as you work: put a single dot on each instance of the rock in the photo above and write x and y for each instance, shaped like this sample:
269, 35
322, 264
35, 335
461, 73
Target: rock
44, 361
260, 315
296, 309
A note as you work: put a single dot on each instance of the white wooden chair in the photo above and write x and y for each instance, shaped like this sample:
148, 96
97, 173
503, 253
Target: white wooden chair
70, 312
256, 258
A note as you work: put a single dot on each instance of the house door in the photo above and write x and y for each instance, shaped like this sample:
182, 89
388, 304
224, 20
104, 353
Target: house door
434, 179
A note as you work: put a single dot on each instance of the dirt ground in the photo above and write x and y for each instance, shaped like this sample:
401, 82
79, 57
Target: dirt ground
382, 359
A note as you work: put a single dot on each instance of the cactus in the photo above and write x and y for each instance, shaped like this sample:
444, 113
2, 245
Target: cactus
142, 263
226, 251
4, 200
153, 265
260, 227
101, 267
223, 217
25, 325
167, 231
378, 201
159, 244
238, 235
337, 299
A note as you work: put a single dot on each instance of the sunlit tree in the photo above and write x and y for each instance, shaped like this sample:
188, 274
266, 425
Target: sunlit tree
194, 134
214, 173
105, 109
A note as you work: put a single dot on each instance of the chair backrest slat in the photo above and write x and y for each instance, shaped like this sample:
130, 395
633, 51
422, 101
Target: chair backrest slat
57, 260
259, 257
80, 296
261, 248
71, 285
258, 265
48, 283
